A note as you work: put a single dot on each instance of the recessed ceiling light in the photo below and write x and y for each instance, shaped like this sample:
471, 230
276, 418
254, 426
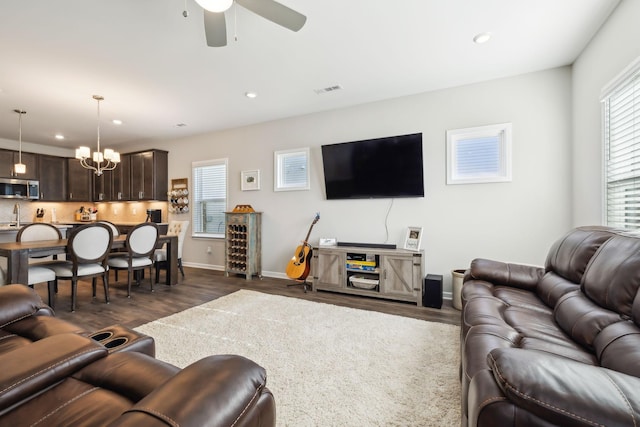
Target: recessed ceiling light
59, 136
481, 38
117, 122
250, 95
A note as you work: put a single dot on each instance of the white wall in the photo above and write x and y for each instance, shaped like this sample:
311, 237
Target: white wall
515, 221
609, 52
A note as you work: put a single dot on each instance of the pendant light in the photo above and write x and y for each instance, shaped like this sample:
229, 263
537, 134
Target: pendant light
20, 167
110, 157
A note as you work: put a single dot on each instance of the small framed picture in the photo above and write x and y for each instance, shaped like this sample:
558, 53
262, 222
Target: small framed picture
413, 238
250, 180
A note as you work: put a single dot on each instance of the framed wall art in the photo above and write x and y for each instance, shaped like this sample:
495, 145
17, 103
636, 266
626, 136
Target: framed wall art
250, 180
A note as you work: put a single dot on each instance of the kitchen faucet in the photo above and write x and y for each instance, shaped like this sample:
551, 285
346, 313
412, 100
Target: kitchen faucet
16, 210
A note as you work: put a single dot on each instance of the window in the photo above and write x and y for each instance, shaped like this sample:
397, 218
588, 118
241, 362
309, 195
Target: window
291, 170
209, 198
621, 134
480, 154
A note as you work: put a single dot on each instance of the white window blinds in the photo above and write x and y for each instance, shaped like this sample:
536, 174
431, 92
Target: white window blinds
292, 170
209, 198
621, 134
479, 154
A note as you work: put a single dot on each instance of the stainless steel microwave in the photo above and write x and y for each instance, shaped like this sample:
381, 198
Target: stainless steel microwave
19, 189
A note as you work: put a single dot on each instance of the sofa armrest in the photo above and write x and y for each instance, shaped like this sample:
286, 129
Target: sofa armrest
564, 391
220, 390
18, 302
29, 369
505, 274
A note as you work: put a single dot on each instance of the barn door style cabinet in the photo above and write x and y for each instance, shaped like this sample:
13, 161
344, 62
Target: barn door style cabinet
243, 243
394, 274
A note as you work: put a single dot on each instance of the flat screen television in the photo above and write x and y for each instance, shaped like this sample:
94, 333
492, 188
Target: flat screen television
374, 168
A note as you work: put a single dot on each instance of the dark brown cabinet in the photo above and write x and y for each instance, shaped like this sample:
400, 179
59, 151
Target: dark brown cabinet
103, 187
121, 180
9, 157
52, 173
149, 171
79, 182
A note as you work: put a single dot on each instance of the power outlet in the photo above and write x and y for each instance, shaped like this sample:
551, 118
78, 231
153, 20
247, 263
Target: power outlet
208, 249
115, 211
134, 211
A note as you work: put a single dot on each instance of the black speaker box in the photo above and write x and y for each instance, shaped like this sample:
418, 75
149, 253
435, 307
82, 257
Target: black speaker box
432, 291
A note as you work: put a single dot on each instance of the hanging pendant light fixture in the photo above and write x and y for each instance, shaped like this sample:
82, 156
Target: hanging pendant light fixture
20, 167
109, 157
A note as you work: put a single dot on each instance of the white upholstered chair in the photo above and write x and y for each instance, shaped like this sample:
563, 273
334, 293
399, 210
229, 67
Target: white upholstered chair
140, 244
87, 251
40, 273
176, 228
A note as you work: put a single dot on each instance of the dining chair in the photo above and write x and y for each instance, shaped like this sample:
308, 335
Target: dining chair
87, 250
176, 228
140, 244
41, 273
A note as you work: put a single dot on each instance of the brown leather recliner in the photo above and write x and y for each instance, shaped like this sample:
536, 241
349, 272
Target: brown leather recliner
54, 374
559, 345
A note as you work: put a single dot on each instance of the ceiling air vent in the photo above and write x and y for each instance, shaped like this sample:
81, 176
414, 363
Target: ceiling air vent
327, 89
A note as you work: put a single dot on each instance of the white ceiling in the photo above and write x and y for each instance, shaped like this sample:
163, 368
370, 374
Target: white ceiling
154, 69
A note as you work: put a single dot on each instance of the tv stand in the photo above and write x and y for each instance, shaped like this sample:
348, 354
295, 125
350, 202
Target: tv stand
394, 274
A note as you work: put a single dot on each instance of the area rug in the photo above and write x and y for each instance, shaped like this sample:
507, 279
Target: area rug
326, 365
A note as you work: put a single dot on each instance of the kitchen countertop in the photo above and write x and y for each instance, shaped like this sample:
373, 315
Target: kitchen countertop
7, 228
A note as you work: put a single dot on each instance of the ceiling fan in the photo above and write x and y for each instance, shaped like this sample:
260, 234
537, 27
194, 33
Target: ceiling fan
215, 26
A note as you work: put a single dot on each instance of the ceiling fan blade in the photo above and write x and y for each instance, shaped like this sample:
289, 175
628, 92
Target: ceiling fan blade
275, 12
215, 29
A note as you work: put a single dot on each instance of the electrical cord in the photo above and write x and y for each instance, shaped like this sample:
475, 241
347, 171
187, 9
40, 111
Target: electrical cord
386, 222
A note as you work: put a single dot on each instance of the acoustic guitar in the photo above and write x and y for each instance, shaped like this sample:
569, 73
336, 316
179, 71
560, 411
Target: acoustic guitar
300, 264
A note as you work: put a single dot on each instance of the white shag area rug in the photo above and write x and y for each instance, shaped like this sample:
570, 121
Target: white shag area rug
326, 365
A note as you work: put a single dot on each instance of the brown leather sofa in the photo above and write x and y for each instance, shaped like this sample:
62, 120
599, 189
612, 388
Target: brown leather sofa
53, 373
559, 345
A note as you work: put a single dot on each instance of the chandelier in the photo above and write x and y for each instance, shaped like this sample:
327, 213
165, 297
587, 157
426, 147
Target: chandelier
20, 167
110, 158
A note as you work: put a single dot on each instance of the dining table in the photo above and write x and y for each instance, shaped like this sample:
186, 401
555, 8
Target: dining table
18, 254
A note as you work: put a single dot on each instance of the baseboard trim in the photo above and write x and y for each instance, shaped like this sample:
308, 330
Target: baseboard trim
272, 274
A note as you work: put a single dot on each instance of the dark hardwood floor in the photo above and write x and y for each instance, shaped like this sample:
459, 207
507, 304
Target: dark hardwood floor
200, 286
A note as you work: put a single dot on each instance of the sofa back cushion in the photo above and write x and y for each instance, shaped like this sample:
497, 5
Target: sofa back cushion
612, 278
569, 255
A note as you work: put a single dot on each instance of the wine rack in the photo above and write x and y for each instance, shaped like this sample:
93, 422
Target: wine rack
243, 244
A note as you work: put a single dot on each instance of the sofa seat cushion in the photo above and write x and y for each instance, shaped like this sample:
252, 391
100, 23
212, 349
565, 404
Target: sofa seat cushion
488, 304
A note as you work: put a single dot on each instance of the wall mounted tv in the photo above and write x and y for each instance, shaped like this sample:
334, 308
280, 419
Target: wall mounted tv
374, 168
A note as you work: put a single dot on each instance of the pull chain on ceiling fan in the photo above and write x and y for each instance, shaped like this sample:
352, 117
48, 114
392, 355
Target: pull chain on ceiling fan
215, 26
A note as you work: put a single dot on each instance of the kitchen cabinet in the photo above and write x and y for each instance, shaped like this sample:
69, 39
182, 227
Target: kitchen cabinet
103, 187
121, 180
79, 182
9, 157
52, 173
149, 170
